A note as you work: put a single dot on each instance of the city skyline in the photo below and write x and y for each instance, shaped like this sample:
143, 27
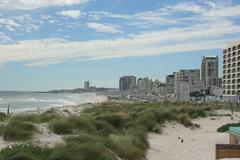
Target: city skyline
60, 44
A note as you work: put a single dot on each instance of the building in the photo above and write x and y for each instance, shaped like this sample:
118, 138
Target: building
192, 76
184, 91
86, 85
170, 79
166, 89
231, 70
209, 71
145, 85
127, 83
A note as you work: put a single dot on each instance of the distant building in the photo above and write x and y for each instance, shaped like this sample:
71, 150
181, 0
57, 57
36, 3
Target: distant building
170, 79
209, 71
184, 91
166, 89
145, 85
127, 83
191, 76
231, 70
86, 85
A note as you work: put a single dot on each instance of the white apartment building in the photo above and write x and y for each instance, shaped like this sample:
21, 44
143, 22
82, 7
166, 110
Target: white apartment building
231, 70
191, 76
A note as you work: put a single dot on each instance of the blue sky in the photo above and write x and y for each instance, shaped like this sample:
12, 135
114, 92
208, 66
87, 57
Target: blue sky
54, 44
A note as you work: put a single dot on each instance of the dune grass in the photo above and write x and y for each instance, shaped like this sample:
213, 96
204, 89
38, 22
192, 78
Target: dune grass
3, 116
106, 132
38, 118
18, 131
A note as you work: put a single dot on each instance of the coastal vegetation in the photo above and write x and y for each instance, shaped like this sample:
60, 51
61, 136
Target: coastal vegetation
225, 127
111, 131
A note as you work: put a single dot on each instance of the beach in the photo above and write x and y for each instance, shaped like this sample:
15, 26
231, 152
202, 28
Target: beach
176, 142
198, 144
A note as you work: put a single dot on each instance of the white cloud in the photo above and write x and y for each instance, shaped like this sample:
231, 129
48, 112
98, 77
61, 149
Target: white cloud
34, 4
9, 24
23, 23
187, 7
4, 38
231, 11
194, 38
105, 28
71, 13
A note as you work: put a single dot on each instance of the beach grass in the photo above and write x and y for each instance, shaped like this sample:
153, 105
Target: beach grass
18, 131
108, 131
44, 117
3, 116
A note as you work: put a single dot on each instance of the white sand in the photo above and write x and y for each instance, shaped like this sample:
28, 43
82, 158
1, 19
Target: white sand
199, 144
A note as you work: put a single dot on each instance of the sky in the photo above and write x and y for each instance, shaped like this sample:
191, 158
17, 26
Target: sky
55, 44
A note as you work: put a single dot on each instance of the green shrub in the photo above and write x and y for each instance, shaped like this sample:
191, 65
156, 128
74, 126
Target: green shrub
104, 128
124, 147
3, 116
60, 153
18, 131
24, 152
62, 127
185, 120
225, 127
26, 117
83, 124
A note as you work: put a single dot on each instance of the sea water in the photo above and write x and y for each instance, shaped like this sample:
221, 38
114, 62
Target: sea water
24, 101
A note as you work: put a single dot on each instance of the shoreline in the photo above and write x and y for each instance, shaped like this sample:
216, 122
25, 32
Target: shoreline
98, 98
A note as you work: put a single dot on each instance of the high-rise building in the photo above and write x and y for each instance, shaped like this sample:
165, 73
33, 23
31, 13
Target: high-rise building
127, 83
209, 71
86, 85
191, 76
170, 79
145, 84
231, 70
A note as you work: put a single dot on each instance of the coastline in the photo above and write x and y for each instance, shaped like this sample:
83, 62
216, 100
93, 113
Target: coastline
89, 98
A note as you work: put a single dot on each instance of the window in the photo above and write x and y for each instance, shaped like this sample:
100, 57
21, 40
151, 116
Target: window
229, 49
234, 48
234, 53
224, 51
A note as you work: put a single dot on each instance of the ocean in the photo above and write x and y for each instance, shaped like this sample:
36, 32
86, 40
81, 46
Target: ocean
27, 101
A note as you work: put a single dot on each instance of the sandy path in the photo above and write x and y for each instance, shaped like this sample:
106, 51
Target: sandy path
198, 144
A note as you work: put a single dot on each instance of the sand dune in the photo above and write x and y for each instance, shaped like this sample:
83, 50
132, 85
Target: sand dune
198, 144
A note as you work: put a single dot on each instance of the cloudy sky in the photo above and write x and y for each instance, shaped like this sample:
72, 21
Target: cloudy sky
52, 44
